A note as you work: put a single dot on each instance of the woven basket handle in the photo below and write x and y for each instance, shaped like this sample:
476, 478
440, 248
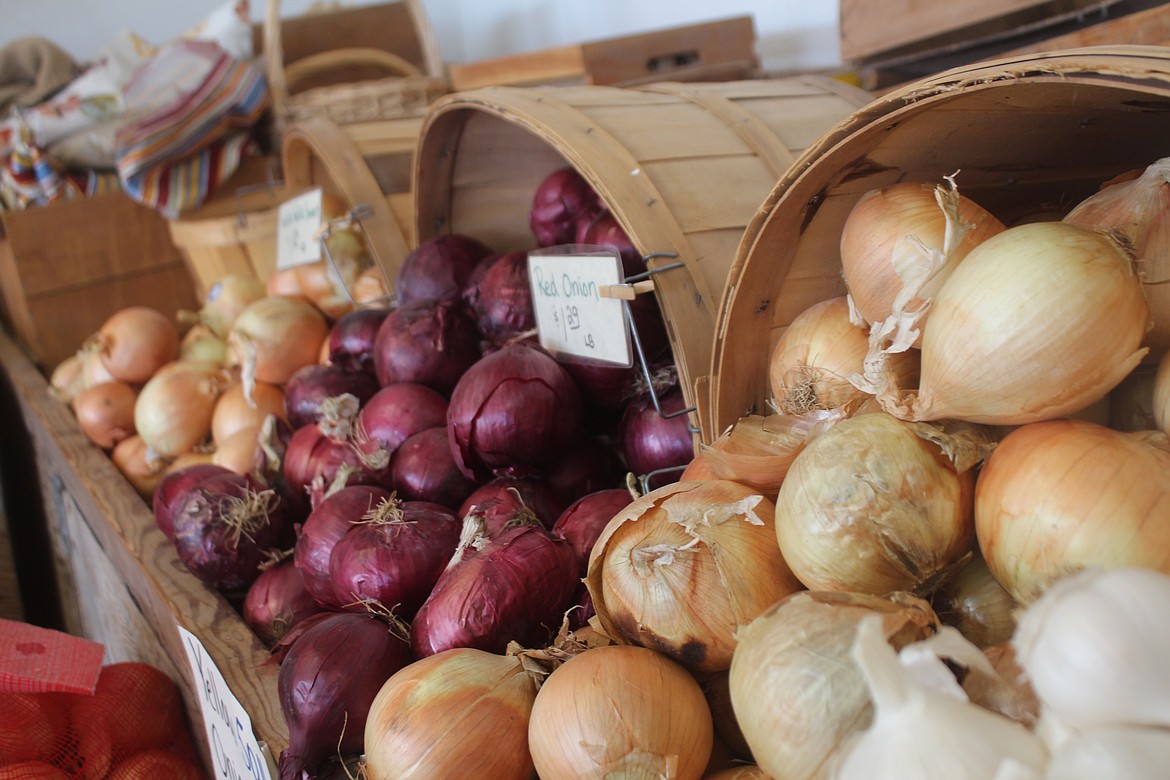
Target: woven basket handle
327, 61
319, 139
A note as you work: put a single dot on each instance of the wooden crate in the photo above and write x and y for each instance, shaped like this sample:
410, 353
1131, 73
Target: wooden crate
969, 32
721, 50
65, 268
1024, 132
682, 167
119, 579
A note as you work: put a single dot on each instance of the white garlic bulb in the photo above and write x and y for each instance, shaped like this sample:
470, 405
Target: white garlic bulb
920, 732
1094, 647
1130, 752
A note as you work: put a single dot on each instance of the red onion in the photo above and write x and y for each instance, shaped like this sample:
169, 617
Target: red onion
268, 466
561, 201
500, 298
438, 268
604, 230
604, 385
173, 490
313, 461
511, 413
514, 586
308, 388
397, 412
227, 527
428, 342
423, 469
650, 441
330, 519
277, 601
584, 520
395, 557
351, 339
327, 682
505, 498
589, 465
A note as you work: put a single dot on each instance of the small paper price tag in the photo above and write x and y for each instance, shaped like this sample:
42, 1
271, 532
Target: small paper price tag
299, 221
235, 753
572, 317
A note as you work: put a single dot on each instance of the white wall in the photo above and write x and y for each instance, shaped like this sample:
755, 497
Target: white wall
792, 34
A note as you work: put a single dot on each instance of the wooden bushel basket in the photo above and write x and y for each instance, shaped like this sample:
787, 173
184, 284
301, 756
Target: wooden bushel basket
383, 67
683, 168
1022, 132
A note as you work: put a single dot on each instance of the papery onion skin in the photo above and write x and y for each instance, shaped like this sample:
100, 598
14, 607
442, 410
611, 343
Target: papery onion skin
460, 713
562, 201
880, 233
137, 341
175, 407
276, 335
173, 489
277, 601
226, 528
1064, 495
423, 469
999, 357
869, 506
511, 413
105, 412
395, 560
394, 414
313, 458
327, 682
309, 386
351, 339
233, 411
810, 365
620, 711
328, 521
428, 342
583, 521
515, 587
438, 268
797, 693
685, 567
500, 298
502, 498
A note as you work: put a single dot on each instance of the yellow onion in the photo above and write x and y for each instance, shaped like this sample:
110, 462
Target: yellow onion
141, 468
685, 567
459, 713
1139, 207
620, 711
201, 345
273, 337
812, 363
1160, 404
105, 412
234, 410
891, 229
872, 506
174, 408
798, 694
225, 299
1037, 322
744, 772
974, 602
757, 450
1059, 496
67, 379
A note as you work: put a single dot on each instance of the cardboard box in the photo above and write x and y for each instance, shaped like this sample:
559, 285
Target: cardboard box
65, 268
722, 50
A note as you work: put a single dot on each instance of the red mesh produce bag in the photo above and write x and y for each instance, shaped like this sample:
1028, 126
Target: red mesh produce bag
122, 721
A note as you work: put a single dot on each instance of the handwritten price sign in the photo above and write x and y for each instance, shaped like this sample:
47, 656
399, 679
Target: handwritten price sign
572, 317
298, 222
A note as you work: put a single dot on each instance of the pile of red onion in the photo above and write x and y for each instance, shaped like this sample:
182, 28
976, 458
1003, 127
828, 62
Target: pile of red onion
455, 475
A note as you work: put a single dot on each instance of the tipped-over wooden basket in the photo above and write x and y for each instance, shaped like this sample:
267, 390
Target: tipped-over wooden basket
1041, 129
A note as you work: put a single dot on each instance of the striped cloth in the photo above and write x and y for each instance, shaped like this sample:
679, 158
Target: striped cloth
30, 177
196, 107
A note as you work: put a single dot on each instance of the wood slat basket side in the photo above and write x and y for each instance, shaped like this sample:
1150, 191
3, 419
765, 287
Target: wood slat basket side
383, 63
1022, 133
119, 579
683, 168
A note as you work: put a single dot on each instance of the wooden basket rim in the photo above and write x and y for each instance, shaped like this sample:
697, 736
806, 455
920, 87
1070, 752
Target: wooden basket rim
1135, 67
